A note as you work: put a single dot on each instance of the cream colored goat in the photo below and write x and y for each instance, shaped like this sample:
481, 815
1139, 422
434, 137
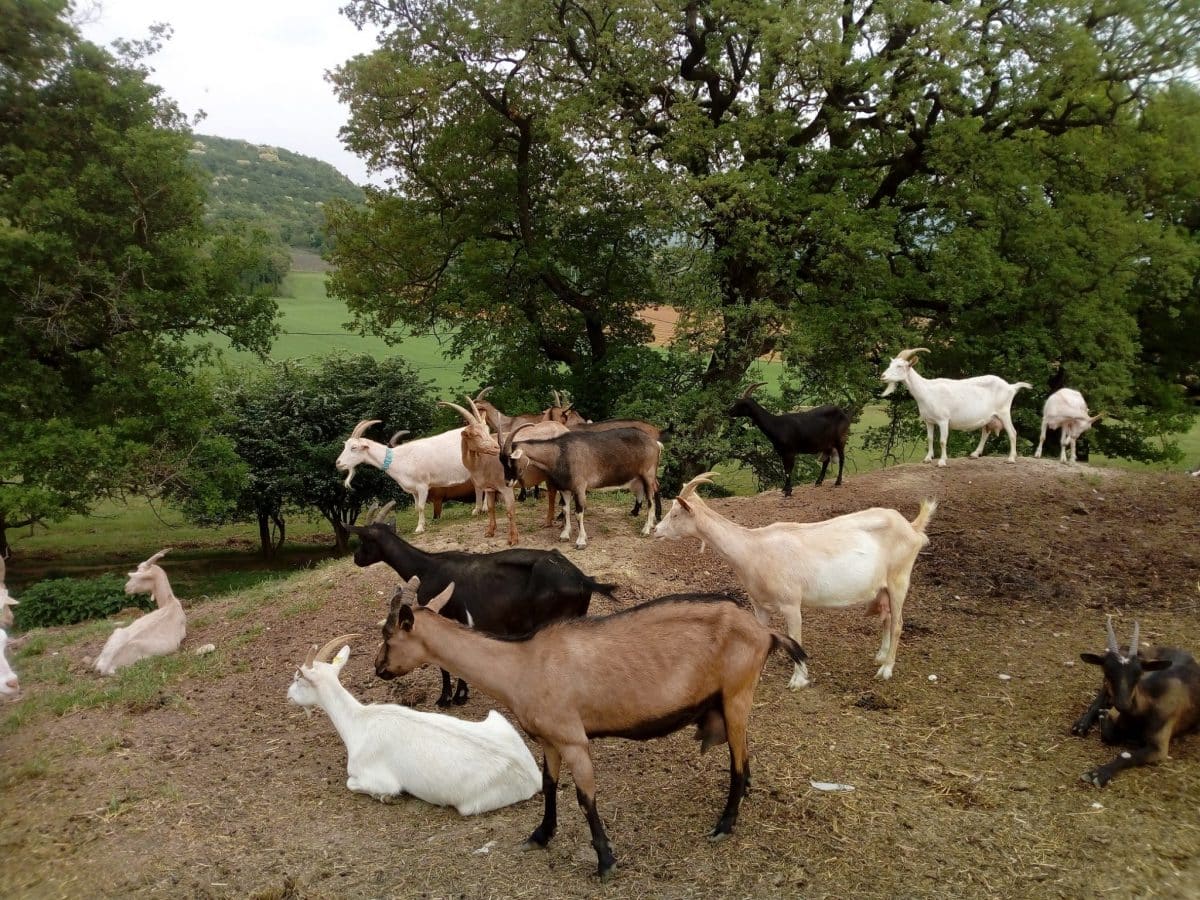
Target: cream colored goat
6, 600
864, 557
155, 634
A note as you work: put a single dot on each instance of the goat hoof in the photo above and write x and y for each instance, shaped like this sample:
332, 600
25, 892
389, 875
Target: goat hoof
717, 835
941, 464
1095, 778
884, 673
442, 702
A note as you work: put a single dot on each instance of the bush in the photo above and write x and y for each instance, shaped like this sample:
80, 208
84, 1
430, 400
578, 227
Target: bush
65, 601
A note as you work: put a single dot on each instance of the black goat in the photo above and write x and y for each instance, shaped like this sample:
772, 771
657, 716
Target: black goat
1144, 702
508, 593
822, 431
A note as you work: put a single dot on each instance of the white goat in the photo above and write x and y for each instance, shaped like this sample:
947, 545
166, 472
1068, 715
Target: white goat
416, 466
155, 634
6, 600
10, 686
1066, 409
473, 766
964, 404
863, 557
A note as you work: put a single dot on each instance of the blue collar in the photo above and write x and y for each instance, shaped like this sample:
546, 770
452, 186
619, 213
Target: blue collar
387, 459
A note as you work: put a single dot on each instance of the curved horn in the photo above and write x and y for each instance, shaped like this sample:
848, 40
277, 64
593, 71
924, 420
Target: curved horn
395, 437
1133, 642
557, 399
382, 513
471, 420
483, 393
1097, 417
436, 604
362, 426
907, 355
1112, 639
155, 558
750, 390
327, 651
474, 408
690, 488
512, 437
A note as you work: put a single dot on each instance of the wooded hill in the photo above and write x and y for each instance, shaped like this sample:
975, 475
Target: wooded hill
271, 188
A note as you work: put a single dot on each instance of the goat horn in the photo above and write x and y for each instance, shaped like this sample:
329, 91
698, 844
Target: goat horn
690, 488
557, 399
361, 428
471, 420
746, 393
309, 657
513, 436
395, 437
436, 604
474, 408
907, 355
487, 390
326, 652
380, 515
1112, 639
1133, 643
155, 558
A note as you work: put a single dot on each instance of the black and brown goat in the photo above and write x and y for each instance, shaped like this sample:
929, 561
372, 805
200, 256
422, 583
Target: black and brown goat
509, 592
582, 426
639, 674
823, 431
1144, 702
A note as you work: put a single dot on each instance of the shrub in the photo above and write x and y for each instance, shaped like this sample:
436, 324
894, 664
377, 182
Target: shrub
65, 601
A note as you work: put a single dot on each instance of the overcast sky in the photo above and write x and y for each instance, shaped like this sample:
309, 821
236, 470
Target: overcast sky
256, 67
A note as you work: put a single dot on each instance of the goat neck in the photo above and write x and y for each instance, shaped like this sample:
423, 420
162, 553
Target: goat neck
759, 415
342, 707
161, 593
729, 539
496, 667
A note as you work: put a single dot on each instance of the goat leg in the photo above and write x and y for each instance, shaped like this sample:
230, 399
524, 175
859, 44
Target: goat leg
1154, 751
1085, 722
736, 714
542, 834
462, 693
444, 699
789, 464
580, 763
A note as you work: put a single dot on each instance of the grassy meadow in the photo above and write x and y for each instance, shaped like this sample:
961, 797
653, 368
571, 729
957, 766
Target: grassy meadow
211, 561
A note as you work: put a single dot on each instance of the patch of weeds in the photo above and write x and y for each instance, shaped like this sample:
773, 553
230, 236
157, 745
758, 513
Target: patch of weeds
38, 640
312, 604
35, 767
118, 806
250, 634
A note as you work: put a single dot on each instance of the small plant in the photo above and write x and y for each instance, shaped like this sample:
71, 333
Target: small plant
65, 601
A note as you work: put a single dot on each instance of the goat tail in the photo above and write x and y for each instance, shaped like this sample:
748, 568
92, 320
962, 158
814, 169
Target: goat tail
1022, 386
928, 508
789, 646
602, 588
665, 435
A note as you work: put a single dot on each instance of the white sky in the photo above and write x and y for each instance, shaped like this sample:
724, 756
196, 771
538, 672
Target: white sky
256, 67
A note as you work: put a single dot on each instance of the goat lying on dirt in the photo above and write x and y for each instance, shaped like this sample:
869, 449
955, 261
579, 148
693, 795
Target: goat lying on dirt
155, 634
638, 674
863, 557
1144, 702
10, 685
6, 600
473, 766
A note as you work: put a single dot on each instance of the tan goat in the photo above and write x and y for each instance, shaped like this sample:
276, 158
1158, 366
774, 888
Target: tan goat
639, 674
480, 456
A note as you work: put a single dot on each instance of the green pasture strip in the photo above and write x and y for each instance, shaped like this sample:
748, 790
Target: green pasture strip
313, 325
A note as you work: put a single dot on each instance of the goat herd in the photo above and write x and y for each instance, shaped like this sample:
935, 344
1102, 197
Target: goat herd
514, 622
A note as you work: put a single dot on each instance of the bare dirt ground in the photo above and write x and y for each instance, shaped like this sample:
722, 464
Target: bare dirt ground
966, 786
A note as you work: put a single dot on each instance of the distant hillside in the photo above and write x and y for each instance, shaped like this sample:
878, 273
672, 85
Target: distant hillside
270, 187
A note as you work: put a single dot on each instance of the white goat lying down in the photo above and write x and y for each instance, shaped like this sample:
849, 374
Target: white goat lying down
473, 766
964, 404
10, 687
6, 600
155, 634
1066, 409
863, 557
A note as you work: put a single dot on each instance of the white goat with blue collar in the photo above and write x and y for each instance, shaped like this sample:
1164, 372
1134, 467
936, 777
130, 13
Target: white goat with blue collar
416, 466
475, 767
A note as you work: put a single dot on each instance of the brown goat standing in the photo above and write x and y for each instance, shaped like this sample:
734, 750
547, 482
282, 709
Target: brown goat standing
639, 674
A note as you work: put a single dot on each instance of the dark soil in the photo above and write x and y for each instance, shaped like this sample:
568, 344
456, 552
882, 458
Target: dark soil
966, 785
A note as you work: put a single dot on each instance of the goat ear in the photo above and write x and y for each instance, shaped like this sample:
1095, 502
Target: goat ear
516, 454
404, 617
340, 660
686, 506
1092, 658
1155, 665
436, 604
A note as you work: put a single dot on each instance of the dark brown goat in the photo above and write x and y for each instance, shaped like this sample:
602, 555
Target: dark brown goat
639, 674
822, 431
1144, 702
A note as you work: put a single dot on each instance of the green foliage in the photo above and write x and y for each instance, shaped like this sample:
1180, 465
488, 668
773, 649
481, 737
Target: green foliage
65, 601
270, 188
107, 268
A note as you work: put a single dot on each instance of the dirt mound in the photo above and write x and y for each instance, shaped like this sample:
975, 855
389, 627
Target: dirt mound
966, 784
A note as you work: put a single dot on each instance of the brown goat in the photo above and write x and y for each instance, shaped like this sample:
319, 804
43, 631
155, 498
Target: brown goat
480, 456
639, 674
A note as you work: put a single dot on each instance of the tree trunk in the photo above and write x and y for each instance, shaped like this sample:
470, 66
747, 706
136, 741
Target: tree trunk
264, 536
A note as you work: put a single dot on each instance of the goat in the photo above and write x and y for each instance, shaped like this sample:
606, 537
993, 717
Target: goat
963, 404
10, 685
501, 423
439, 494
6, 600
1144, 702
659, 434
475, 767
864, 557
1066, 409
416, 466
639, 674
821, 431
508, 592
479, 452
155, 634
565, 414
577, 462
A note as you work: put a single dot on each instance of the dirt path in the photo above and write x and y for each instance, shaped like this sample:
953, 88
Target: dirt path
966, 786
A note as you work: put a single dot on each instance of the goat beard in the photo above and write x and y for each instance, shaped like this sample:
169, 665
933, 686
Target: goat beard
349, 478
889, 389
